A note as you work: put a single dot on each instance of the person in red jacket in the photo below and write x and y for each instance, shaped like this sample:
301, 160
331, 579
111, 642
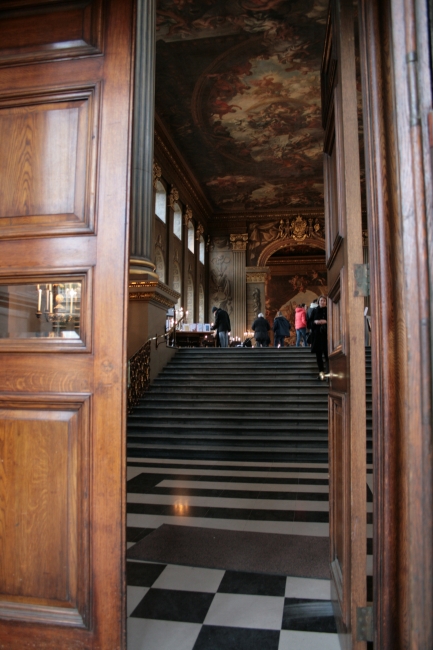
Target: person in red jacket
301, 325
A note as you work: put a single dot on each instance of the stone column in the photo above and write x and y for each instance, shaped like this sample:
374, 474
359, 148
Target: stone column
142, 198
149, 299
256, 297
238, 318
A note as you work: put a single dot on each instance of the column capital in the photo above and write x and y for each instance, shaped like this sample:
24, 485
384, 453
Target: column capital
256, 273
239, 242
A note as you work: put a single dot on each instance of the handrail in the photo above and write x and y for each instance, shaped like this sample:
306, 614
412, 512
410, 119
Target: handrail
139, 367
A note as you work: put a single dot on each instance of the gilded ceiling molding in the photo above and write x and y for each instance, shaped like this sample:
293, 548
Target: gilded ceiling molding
173, 197
239, 242
157, 173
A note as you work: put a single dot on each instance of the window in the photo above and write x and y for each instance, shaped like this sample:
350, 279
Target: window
177, 221
161, 202
201, 250
191, 233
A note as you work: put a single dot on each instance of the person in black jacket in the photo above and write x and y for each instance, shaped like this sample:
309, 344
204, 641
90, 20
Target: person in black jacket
318, 324
281, 330
261, 328
222, 326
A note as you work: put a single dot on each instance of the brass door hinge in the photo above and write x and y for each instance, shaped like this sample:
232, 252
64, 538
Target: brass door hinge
364, 624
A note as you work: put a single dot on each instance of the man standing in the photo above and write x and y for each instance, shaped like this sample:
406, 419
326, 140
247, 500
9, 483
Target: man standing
222, 326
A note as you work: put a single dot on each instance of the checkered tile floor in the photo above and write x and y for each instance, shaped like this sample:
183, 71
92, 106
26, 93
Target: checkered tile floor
173, 607
186, 608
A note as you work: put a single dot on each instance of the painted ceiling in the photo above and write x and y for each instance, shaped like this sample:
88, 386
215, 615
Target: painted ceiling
238, 88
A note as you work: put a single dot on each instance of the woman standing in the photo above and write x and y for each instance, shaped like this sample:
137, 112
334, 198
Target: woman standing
281, 329
261, 328
318, 324
301, 325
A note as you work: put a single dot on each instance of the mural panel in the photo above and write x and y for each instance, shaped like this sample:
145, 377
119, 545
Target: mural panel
238, 86
297, 284
221, 276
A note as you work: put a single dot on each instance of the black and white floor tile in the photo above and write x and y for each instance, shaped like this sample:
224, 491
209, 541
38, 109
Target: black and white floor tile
173, 607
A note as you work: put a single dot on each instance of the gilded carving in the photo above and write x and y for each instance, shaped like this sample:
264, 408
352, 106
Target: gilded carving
173, 196
256, 277
199, 232
151, 296
157, 173
239, 242
187, 215
151, 284
298, 230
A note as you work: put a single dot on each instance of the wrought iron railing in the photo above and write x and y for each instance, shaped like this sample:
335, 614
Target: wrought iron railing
139, 366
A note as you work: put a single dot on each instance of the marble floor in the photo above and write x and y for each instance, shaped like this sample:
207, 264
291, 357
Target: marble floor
174, 607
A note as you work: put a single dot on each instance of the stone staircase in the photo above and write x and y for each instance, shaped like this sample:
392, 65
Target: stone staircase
238, 404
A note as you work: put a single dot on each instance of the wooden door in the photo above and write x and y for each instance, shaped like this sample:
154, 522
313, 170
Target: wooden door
347, 409
65, 84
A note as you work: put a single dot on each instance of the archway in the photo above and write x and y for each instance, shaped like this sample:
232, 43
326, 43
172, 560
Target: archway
296, 275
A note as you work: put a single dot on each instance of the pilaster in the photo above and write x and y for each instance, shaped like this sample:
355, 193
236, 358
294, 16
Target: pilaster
238, 319
255, 289
142, 193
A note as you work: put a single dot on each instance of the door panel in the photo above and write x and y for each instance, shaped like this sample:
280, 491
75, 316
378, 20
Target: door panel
347, 406
65, 89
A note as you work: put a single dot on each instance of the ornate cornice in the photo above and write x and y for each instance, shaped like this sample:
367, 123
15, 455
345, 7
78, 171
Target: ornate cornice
256, 274
287, 213
186, 178
239, 242
153, 291
256, 277
297, 261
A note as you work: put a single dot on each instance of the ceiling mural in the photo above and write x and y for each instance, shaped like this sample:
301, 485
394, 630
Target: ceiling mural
238, 87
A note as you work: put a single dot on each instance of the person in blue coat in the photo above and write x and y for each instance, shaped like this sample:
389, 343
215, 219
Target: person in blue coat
281, 329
